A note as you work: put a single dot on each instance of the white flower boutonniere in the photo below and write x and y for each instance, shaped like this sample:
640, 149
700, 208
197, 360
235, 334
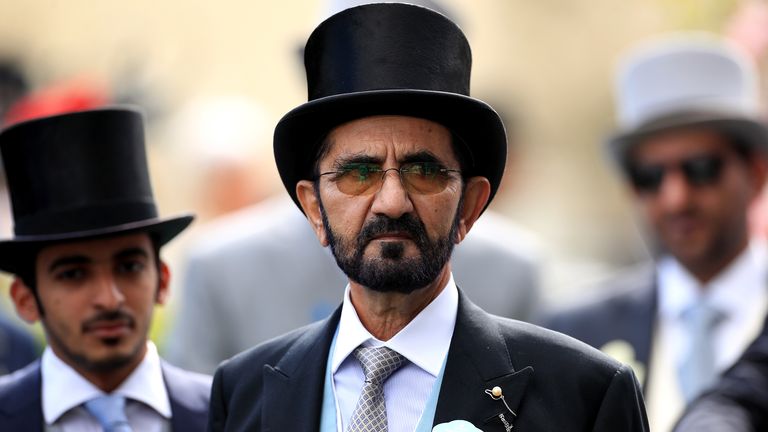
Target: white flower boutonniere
456, 426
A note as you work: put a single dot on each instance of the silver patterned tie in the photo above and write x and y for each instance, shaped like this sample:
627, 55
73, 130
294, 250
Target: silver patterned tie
370, 413
698, 372
109, 410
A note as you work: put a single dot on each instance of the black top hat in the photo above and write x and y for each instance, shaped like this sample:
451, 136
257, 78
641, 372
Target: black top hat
77, 176
388, 59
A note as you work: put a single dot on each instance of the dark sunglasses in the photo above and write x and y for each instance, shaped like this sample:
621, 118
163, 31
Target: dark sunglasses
698, 171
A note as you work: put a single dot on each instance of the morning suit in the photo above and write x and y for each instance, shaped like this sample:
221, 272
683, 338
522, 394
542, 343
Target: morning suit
739, 400
552, 382
269, 251
21, 405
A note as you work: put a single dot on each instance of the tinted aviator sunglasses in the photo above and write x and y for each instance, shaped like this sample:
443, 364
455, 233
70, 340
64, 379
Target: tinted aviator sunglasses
362, 178
698, 171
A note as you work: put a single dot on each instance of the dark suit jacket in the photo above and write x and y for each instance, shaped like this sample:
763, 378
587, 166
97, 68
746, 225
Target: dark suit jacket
17, 348
21, 408
621, 308
552, 382
739, 401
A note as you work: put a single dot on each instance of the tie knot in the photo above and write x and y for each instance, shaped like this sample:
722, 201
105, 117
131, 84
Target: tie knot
378, 363
109, 410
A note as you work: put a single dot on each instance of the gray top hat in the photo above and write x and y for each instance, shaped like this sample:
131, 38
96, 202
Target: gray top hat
684, 80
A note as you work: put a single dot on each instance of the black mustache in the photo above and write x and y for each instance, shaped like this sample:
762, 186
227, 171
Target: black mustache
407, 223
108, 316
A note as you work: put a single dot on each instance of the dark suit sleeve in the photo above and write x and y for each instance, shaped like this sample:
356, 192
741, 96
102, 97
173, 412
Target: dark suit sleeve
739, 400
714, 413
622, 408
217, 417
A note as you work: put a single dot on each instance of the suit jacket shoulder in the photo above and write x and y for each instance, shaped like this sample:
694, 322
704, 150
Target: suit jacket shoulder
20, 406
551, 381
189, 393
277, 385
620, 310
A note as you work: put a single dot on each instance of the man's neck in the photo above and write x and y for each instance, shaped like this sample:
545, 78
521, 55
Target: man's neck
706, 271
384, 314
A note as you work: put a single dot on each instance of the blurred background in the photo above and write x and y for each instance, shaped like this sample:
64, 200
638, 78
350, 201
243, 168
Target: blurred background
215, 77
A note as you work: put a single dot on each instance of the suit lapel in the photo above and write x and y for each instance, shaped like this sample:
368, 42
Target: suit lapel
21, 406
293, 387
479, 360
189, 403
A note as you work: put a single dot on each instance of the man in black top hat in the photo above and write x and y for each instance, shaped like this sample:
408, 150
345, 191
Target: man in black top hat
392, 162
86, 258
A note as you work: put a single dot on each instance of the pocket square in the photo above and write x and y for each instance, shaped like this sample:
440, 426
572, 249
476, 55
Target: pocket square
456, 426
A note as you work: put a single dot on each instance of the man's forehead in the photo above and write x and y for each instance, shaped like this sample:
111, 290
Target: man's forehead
377, 134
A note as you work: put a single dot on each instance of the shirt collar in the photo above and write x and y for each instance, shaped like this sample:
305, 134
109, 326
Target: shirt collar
424, 341
737, 285
145, 384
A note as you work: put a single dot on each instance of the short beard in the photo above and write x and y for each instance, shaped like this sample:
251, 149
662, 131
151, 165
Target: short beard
391, 271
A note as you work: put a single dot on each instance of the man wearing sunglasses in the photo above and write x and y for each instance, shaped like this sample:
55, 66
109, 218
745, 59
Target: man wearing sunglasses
392, 162
692, 150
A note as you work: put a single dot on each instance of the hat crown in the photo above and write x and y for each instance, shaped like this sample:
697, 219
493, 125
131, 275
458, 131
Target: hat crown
78, 171
685, 75
387, 46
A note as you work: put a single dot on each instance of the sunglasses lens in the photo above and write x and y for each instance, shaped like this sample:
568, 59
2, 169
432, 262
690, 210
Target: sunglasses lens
703, 170
646, 178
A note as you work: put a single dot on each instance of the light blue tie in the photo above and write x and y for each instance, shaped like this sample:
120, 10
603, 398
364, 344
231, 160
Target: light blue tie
109, 410
697, 372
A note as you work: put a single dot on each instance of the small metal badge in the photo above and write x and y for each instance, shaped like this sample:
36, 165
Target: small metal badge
496, 394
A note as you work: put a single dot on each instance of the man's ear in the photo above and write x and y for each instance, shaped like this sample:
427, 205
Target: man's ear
310, 203
476, 193
24, 301
164, 283
759, 169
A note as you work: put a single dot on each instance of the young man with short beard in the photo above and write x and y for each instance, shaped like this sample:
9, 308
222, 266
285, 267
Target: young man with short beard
392, 163
86, 255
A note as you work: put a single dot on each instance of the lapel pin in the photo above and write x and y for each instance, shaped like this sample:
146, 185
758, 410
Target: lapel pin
496, 394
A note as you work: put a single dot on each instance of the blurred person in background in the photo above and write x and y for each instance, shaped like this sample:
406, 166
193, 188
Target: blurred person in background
86, 259
222, 141
252, 257
692, 148
17, 347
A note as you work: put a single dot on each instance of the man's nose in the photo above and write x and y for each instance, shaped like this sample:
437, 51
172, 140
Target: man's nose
392, 199
675, 191
108, 294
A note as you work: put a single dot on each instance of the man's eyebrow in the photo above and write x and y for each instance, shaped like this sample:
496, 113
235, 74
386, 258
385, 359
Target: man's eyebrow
67, 261
420, 156
131, 252
356, 158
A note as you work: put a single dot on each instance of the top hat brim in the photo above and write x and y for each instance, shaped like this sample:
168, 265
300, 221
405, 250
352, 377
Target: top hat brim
15, 253
299, 133
754, 133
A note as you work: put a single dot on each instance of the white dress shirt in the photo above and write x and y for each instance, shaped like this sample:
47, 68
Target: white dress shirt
738, 292
424, 342
64, 392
